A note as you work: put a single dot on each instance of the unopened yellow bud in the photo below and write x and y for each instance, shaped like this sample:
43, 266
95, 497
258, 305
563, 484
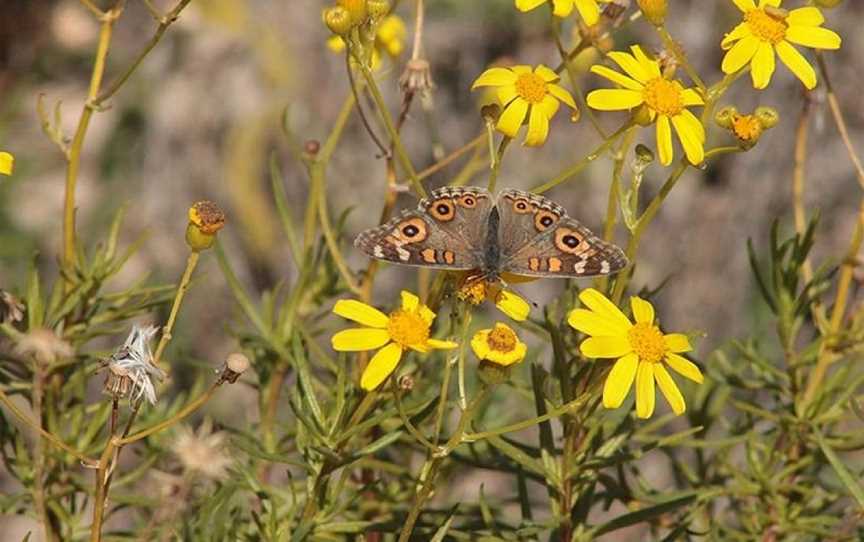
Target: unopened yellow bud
378, 9
767, 116
654, 10
205, 221
356, 9
338, 20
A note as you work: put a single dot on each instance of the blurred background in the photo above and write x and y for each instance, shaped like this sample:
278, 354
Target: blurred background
202, 116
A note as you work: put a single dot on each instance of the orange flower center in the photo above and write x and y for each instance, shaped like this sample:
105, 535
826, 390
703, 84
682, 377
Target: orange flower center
766, 26
502, 339
473, 292
531, 87
663, 96
647, 341
746, 127
407, 328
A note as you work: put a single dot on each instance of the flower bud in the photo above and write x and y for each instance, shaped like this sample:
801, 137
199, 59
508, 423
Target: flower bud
644, 154
767, 116
356, 10
338, 20
378, 9
205, 220
724, 116
311, 147
653, 10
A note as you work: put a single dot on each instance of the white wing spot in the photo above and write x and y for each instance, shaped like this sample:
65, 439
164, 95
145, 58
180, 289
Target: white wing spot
378, 252
404, 255
604, 267
579, 267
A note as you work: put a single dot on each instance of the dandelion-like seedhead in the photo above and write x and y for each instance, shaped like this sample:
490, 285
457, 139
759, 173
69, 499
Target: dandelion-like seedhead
203, 452
130, 369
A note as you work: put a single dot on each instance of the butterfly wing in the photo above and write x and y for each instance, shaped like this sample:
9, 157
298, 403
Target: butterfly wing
538, 239
446, 231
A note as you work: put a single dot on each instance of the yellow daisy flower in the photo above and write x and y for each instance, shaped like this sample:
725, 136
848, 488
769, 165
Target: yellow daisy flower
665, 99
588, 9
403, 329
498, 345
389, 39
524, 92
767, 29
7, 162
643, 352
477, 291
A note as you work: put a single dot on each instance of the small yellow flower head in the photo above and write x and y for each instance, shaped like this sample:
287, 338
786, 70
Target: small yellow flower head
378, 8
499, 345
767, 29
654, 10
205, 221
642, 351
588, 9
7, 163
657, 98
356, 10
476, 291
338, 20
526, 94
391, 35
406, 328
747, 128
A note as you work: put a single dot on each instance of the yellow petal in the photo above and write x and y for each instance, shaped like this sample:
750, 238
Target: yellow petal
664, 140
645, 390
508, 358
562, 94
588, 10
359, 339
677, 342
643, 312
506, 94
614, 99
690, 97
382, 365
494, 77
7, 162
562, 8
591, 323
669, 389
600, 304
630, 65
740, 54
684, 367
797, 64
538, 128
808, 16
513, 306
549, 106
336, 44
361, 313
619, 381
694, 124
772, 3
528, 5
546, 73
521, 69
745, 5
818, 38
512, 117
690, 139
739, 32
410, 302
606, 347
651, 67
762, 65
616, 77
480, 344
438, 344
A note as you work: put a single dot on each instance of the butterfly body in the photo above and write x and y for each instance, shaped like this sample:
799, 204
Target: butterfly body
469, 229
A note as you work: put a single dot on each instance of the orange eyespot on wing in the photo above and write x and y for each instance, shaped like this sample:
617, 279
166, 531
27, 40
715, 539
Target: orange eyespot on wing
410, 231
544, 220
569, 241
443, 209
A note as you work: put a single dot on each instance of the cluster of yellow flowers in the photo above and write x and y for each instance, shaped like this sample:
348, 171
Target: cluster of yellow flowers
646, 87
367, 23
642, 350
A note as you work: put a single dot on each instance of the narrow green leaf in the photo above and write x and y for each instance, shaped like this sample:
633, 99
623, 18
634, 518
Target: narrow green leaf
442, 530
643, 515
842, 472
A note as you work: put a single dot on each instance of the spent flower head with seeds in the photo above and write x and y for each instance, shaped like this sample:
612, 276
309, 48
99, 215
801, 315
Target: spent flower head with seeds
203, 452
43, 346
642, 351
131, 369
664, 100
767, 29
406, 328
205, 221
523, 93
499, 345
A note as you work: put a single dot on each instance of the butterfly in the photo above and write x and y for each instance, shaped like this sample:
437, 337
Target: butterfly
466, 228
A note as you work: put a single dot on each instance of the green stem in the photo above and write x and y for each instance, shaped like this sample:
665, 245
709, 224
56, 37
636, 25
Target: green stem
673, 48
496, 164
191, 263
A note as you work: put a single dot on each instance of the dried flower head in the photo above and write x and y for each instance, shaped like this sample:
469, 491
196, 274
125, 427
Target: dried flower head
11, 308
417, 77
131, 367
205, 221
43, 346
235, 365
202, 452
